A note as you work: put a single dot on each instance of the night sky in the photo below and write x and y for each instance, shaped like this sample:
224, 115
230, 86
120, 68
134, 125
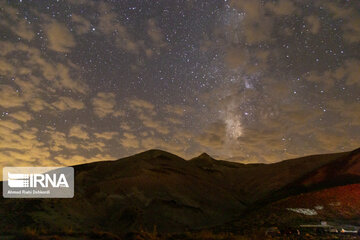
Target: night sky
245, 80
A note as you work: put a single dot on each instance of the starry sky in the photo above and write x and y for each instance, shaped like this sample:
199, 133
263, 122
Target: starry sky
243, 80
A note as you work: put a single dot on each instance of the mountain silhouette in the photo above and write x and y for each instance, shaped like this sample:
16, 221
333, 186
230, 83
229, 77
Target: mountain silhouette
157, 188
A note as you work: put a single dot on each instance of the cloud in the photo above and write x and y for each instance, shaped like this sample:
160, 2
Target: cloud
256, 30
34, 70
281, 7
82, 25
256, 25
58, 141
19, 26
351, 20
64, 79
263, 118
106, 135
67, 103
21, 116
248, 26
91, 146
108, 24
332, 140
10, 125
107, 20
155, 32
314, 23
59, 37
254, 62
129, 140
174, 121
137, 104
78, 132
325, 79
348, 71
155, 35
236, 57
20, 146
124, 39
177, 109
351, 71
23, 30
213, 136
149, 122
78, 141
29, 87
104, 104
9, 97
5, 67
145, 112
82, 3
38, 104
347, 112
352, 29
125, 126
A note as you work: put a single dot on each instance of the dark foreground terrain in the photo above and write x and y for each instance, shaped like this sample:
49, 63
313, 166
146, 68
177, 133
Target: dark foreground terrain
157, 195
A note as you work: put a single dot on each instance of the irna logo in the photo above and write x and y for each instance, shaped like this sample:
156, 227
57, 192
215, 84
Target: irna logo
18, 180
38, 182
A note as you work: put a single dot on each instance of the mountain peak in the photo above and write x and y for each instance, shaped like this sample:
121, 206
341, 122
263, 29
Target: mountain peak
205, 156
157, 154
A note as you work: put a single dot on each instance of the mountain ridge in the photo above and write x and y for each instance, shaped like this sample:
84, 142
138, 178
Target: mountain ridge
157, 188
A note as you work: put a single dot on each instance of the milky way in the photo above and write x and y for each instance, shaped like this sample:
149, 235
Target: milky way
246, 80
